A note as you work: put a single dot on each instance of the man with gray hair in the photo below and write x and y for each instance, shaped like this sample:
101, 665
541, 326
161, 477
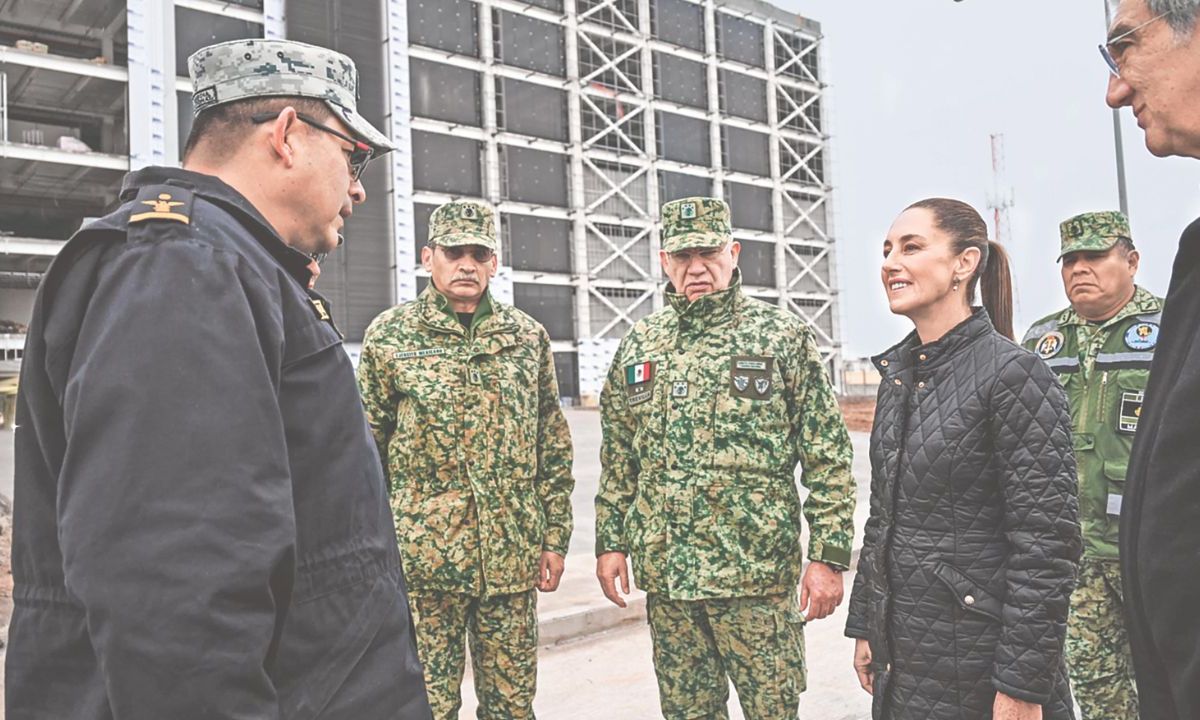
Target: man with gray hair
1153, 55
202, 527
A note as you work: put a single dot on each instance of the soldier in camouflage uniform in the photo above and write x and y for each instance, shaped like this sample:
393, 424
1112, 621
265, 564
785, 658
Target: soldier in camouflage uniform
461, 395
708, 407
1101, 347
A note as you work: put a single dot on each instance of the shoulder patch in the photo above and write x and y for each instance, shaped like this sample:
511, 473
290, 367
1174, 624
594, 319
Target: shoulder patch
1050, 345
162, 202
1142, 336
1039, 330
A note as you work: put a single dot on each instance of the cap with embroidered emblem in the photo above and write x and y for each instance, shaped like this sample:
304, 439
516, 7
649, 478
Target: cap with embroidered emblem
258, 67
463, 222
695, 222
1093, 231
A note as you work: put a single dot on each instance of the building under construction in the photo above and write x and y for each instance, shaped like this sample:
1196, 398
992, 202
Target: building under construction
577, 119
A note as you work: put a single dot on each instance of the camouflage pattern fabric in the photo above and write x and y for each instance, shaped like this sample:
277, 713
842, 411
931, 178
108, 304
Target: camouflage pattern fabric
256, 67
706, 411
695, 222
464, 222
1095, 231
477, 450
700, 645
1098, 657
502, 632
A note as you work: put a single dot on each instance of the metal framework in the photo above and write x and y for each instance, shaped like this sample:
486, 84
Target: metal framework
611, 59
630, 109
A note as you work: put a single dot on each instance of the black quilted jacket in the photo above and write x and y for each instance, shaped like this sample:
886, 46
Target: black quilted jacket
971, 548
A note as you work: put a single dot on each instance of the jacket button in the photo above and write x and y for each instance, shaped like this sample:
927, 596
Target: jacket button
922, 357
921, 384
888, 667
883, 363
969, 600
897, 381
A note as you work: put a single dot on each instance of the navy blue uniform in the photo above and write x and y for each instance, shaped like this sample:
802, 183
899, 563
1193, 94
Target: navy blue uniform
201, 523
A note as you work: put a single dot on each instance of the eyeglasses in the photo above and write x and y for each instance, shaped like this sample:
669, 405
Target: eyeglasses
359, 156
478, 253
1109, 59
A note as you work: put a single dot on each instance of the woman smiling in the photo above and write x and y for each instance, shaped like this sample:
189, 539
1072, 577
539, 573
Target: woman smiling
969, 557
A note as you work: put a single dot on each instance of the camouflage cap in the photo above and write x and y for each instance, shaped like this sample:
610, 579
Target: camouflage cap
1093, 231
272, 68
463, 222
695, 222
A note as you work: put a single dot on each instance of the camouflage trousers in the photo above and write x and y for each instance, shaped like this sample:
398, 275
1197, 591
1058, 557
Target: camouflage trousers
700, 645
502, 634
1098, 658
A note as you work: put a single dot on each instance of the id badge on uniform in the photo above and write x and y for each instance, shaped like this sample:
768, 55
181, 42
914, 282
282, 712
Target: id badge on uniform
750, 376
1131, 412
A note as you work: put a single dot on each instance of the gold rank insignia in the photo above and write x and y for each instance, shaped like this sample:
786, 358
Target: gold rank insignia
164, 209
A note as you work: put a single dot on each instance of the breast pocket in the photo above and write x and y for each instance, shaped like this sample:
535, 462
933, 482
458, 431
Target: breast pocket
514, 377
750, 416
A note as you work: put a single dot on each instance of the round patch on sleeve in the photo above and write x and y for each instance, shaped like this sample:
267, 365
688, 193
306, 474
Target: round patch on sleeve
1050, 345
1143, 336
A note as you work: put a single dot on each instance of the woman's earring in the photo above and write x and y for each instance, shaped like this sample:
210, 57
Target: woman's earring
955, 284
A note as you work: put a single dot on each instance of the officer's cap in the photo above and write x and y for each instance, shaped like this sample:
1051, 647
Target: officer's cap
1093, 231
257, 68
695, 222
463, 222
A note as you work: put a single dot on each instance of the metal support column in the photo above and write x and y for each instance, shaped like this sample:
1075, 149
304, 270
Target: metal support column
501, 286
153, 125
401, 159
777, 220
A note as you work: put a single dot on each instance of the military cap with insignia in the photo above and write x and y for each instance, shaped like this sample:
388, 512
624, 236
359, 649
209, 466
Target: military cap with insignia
695, 222
463, 222
1093, 231
259, 68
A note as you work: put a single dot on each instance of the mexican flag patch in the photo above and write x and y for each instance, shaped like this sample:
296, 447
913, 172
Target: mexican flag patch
639, 373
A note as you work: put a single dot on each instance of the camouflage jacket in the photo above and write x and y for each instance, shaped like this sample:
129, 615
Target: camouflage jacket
477, 449
707, 409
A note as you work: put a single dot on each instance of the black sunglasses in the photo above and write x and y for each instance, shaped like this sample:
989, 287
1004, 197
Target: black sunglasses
359, 156
477, 252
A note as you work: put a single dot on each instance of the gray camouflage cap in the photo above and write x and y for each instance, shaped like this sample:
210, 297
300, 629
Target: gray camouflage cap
463, 222
256, 67
1094, 231
696, 222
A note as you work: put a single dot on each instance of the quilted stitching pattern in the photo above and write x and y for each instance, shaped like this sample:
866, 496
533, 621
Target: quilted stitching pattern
972, 468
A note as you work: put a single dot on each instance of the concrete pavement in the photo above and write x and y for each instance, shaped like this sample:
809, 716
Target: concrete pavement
611, 676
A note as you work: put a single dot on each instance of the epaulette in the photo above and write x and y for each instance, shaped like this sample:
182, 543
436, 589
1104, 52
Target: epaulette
164, 203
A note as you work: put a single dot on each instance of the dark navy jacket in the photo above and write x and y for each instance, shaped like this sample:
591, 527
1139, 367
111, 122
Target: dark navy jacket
201, 523
1160, 531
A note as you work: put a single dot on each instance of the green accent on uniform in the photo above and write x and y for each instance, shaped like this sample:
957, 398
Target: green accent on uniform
502, 633
695, 222
1099, 661
1095, 390
478, 453
463, 222
1093, 231
482, 311
260, 68
702, 645
700, 488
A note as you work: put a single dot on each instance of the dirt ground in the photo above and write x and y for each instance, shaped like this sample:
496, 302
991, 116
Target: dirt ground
859, 412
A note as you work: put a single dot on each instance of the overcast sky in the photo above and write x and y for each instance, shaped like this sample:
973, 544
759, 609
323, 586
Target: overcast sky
918, 86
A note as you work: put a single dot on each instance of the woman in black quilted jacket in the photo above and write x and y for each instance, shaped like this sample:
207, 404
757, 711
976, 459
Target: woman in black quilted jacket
960, 604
